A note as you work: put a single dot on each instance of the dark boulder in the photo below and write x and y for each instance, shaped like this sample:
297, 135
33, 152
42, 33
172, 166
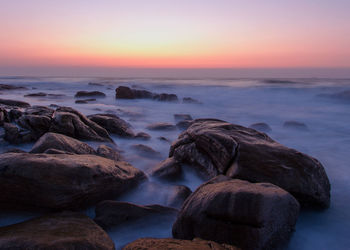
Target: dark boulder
176, 244
109, 153
57, 231
247, 215
261, 126
146, 151
168, 169
166, 97
61, 142
90, 93
182, 117
142, 136
39, 94
4, 116
111, 214
123, 92
16, 135
14, 103
62, 181
113, 124
216, 147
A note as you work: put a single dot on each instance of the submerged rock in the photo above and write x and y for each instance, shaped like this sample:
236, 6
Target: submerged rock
183, 125
61, 142
39, 94
247, 215
190, 100
216, 147
146, 151
84, 101
56, 231
62, 181
10, 87
161, 126
176, 244
90, 93
182, 117
295, 125
113, 124
261, 126
143, 136
114, 213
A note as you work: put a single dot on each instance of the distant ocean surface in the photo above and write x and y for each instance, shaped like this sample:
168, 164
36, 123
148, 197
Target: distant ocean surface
318, 103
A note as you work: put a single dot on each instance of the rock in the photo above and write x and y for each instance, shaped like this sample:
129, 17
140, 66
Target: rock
295, 125
61, 142
14, 103
161, 126
261, 126
168, 169
177, 196
216, 147
69, 181
37, 124
143, 136
162, 138
146, 151
183, 125
39, 110
10, 87
84, 101
114, 213
39, 94
190, 100
70, 122
109, 153
54, 151
113, 124
176, 244
15, 150
14, 114
4, 116
247, 215
95, 84
278, 81
15, 135
166, 97
182, 117
90, 93
56, 231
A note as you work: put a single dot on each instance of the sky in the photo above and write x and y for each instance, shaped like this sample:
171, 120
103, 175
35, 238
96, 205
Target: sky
87, 36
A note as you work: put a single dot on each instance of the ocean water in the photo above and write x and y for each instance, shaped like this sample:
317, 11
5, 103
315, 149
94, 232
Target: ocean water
240, 101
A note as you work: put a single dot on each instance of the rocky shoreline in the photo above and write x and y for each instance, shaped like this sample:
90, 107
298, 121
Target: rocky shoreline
253, 187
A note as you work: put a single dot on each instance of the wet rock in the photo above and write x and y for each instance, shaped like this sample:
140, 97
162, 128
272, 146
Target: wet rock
109, 153
39, 94
113, 124
56, 231
143, 136
70, 122
61, 142
168, 169
216, 147
176, 244
4, 116
247, 215
182, 117
261, 126
161, 126
111, 214
295, 125
11, 87
146, 151
183, 125
190, 100
62, 181
166, 97
14, 103
89, 93
84, 101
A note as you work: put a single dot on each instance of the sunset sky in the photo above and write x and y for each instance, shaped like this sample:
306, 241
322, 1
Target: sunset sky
174, 34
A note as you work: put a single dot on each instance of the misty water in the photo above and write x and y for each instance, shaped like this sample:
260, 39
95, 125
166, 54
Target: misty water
240, 101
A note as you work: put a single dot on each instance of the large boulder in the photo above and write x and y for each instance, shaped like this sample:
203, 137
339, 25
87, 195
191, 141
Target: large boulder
62, 181
70, 122
14, 103
247, 215
58, 231
176, 244
16, 135
168, 169
114, 213
216, 147
123, 92
61, 142
113, 124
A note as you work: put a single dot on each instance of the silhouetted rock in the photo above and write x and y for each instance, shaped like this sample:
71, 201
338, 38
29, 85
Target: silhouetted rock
111, 214
182, 117
295, 125
168, 169
90, 93
84, 101
39, 94
216, 147
113, 124
61, 142
247, 215
62, 181
10, 87
161, 126
146, 151
165, 97
279, 81
261, 126
190, 100
123, 92
56, 231
176, 244
14, 103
